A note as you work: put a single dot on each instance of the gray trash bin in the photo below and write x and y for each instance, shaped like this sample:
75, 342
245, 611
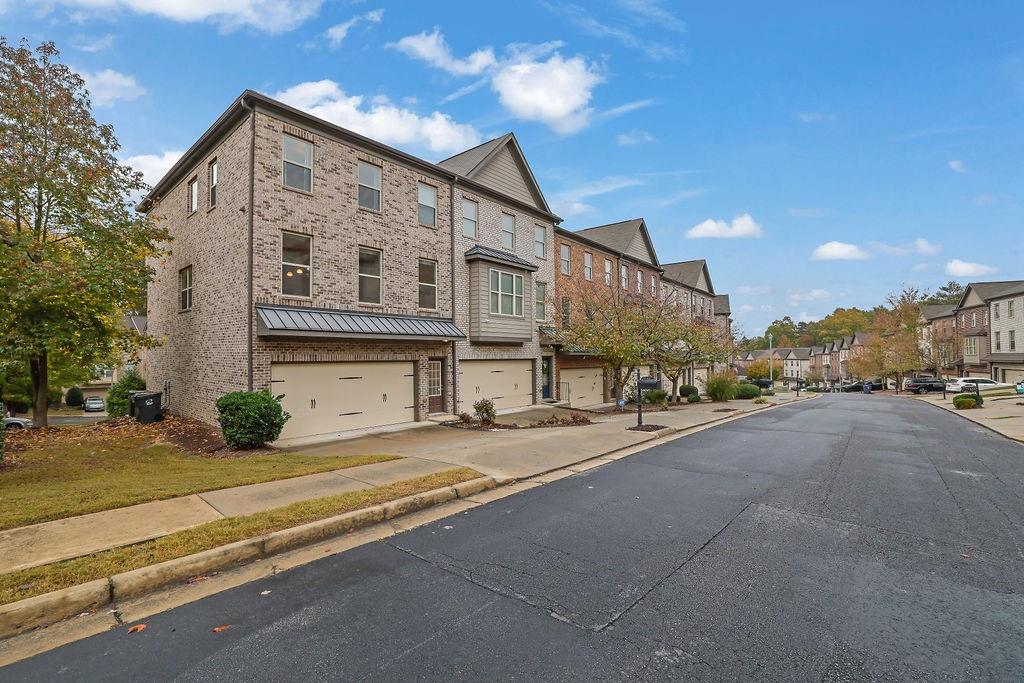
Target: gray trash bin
145, 406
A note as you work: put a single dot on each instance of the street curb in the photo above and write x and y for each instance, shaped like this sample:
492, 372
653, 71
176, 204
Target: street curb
43, 610
960, 414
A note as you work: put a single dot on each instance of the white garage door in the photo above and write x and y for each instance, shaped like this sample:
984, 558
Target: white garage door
332, 397
978, 374
586, 386
509, 383
1013, 376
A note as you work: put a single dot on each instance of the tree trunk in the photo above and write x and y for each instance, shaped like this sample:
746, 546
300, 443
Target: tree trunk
675, 389
40, 371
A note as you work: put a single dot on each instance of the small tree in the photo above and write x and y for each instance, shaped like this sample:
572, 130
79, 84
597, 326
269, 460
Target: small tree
815, 378
117, 396
74, 397
759, 369
698, 342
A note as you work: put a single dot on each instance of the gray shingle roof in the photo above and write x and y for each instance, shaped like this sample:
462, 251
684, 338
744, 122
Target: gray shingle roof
465, 162
615, 236
687, 273
488, 254
314, 322
933, 311
993, 290
722, 305
801, 353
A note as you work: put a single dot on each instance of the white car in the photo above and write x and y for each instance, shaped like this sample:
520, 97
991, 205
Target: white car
973, 383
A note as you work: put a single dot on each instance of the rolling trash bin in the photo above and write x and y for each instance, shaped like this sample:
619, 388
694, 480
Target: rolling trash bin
145, 406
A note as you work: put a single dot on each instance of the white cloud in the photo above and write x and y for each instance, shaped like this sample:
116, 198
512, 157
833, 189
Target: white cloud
652, 12
743, 225
154, 166
755, 289
108, 86
381, 120
815, 117
432, 49
93, 44
628, 107
681, 196
634, 137
806, 317
767, 308
797, 212
918, 246
984, 199
839, 251
923, 246
920, 267
272, 16
555, 91
464, 90
570, 202
958, 268
336, 34
586, 21
957, 166
798, 297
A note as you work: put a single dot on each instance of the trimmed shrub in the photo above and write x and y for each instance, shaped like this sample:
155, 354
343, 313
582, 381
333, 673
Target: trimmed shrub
249, 419
760, 400
688, 390
978, 400
721, 386
117, 397
74, 397
485, 412
658, 396
745, 390
767, 392
964, 403
693, 398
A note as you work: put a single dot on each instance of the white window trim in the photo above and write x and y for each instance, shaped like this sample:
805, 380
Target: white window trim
490, 291
190, 288
192, 193
312, 154
380, 277
565, 259
543, 242
539, 300
624, 276
213, 181
475, 221
307, 266
588, 266
503, 232
420, 283
419, 204
380, 190
608, 275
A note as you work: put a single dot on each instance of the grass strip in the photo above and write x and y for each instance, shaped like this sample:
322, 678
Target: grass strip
70, 479
50, 577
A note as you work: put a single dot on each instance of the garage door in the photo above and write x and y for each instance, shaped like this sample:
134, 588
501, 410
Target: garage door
978, 374
509, 383
586, 386
332, 397
1013, 376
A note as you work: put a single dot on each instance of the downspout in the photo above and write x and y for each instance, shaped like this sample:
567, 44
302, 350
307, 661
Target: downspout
451, 226
249, 241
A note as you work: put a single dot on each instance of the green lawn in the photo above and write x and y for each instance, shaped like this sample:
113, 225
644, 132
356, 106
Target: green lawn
73, 476
38, 580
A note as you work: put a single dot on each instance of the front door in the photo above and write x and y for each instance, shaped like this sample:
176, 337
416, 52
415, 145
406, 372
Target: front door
545, 369
435, 386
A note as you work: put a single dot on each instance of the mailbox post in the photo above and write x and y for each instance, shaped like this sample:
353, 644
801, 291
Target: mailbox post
643, 383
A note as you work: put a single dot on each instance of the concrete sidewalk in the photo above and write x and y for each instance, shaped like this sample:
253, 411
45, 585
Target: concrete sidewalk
515, 454
1003, 414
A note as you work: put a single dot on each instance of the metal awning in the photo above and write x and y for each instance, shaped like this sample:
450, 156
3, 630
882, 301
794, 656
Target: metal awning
495, 256
286, 321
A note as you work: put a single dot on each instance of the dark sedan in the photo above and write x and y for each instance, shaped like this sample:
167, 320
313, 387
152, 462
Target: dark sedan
859, 386
921, 385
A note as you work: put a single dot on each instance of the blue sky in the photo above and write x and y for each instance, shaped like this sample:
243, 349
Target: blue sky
817, 154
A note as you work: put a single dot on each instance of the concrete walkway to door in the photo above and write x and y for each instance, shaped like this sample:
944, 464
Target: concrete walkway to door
520, 453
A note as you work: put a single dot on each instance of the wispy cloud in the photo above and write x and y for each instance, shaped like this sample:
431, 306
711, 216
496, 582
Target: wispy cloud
634, 137
584, 19
815, 117
681, 196
743, 225
957, 166
919, 246
336, 34
433, 49
958, 268
154, 166
570, 201
985, 199
267, 16
108, 86
753, 289
839, 251
93, 43
931, 132
464, 90
627, 108
800, 296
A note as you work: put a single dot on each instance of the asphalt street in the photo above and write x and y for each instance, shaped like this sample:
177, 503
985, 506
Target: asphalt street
846, 538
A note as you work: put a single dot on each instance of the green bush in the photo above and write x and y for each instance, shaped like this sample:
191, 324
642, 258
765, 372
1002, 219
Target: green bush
760, 400
693, 398
964, 403
658, 396
721, 386
485, 412
688, 390
249, 419
74, 397
117, 397
767, 392
978, 400
746, 390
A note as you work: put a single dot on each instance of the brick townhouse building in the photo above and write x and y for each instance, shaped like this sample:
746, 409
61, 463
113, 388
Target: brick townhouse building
366, 285
689, 282
940, 339
990, 321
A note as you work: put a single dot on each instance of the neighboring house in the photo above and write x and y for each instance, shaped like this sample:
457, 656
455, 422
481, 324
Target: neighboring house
366, 285
796, 364
815, 363
619, 256
1006, 344
723, 321
972, 321
832, 362
689, 283
940, 341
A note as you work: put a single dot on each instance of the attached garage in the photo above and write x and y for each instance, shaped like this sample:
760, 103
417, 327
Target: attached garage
323, 398
508, 383
586, 386
1012, 376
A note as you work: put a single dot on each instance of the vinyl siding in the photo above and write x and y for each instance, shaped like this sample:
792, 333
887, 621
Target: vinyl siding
503, 174
503, 328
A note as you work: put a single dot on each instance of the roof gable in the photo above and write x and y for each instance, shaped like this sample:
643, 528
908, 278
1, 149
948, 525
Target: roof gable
629, 238
500, 165
692, 274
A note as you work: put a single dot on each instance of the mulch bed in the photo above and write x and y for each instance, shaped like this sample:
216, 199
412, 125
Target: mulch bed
646, 428
574, 420
725, 410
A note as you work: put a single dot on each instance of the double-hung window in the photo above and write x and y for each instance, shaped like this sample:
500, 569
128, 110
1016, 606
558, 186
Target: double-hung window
608, 272
1013, 340
427, 209
639, 281
213, 176
508, 231
1009, 308
185, 288
296, 260
369, 177
193, 195
506, 293
971, 346
297, 172
654, 285
624, 276
995, 310
428, 284
565, 259
540, 241
470, 213
974, 319
588, 266
541, 309
999, 342
369, 275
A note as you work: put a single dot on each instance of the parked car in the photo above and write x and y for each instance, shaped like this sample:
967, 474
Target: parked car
763, 383
921, 385
859, 386
959, 384
94, 404
18, 423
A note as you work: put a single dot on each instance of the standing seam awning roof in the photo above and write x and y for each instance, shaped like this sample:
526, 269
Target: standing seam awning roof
284, 321
488, 254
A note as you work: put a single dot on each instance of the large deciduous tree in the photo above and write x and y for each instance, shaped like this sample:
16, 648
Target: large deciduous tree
72, 250
760, 369
698, 343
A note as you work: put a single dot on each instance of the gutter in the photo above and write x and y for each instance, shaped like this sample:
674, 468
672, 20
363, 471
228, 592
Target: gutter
455, 349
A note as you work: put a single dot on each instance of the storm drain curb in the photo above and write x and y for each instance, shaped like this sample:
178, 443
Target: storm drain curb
42, 610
